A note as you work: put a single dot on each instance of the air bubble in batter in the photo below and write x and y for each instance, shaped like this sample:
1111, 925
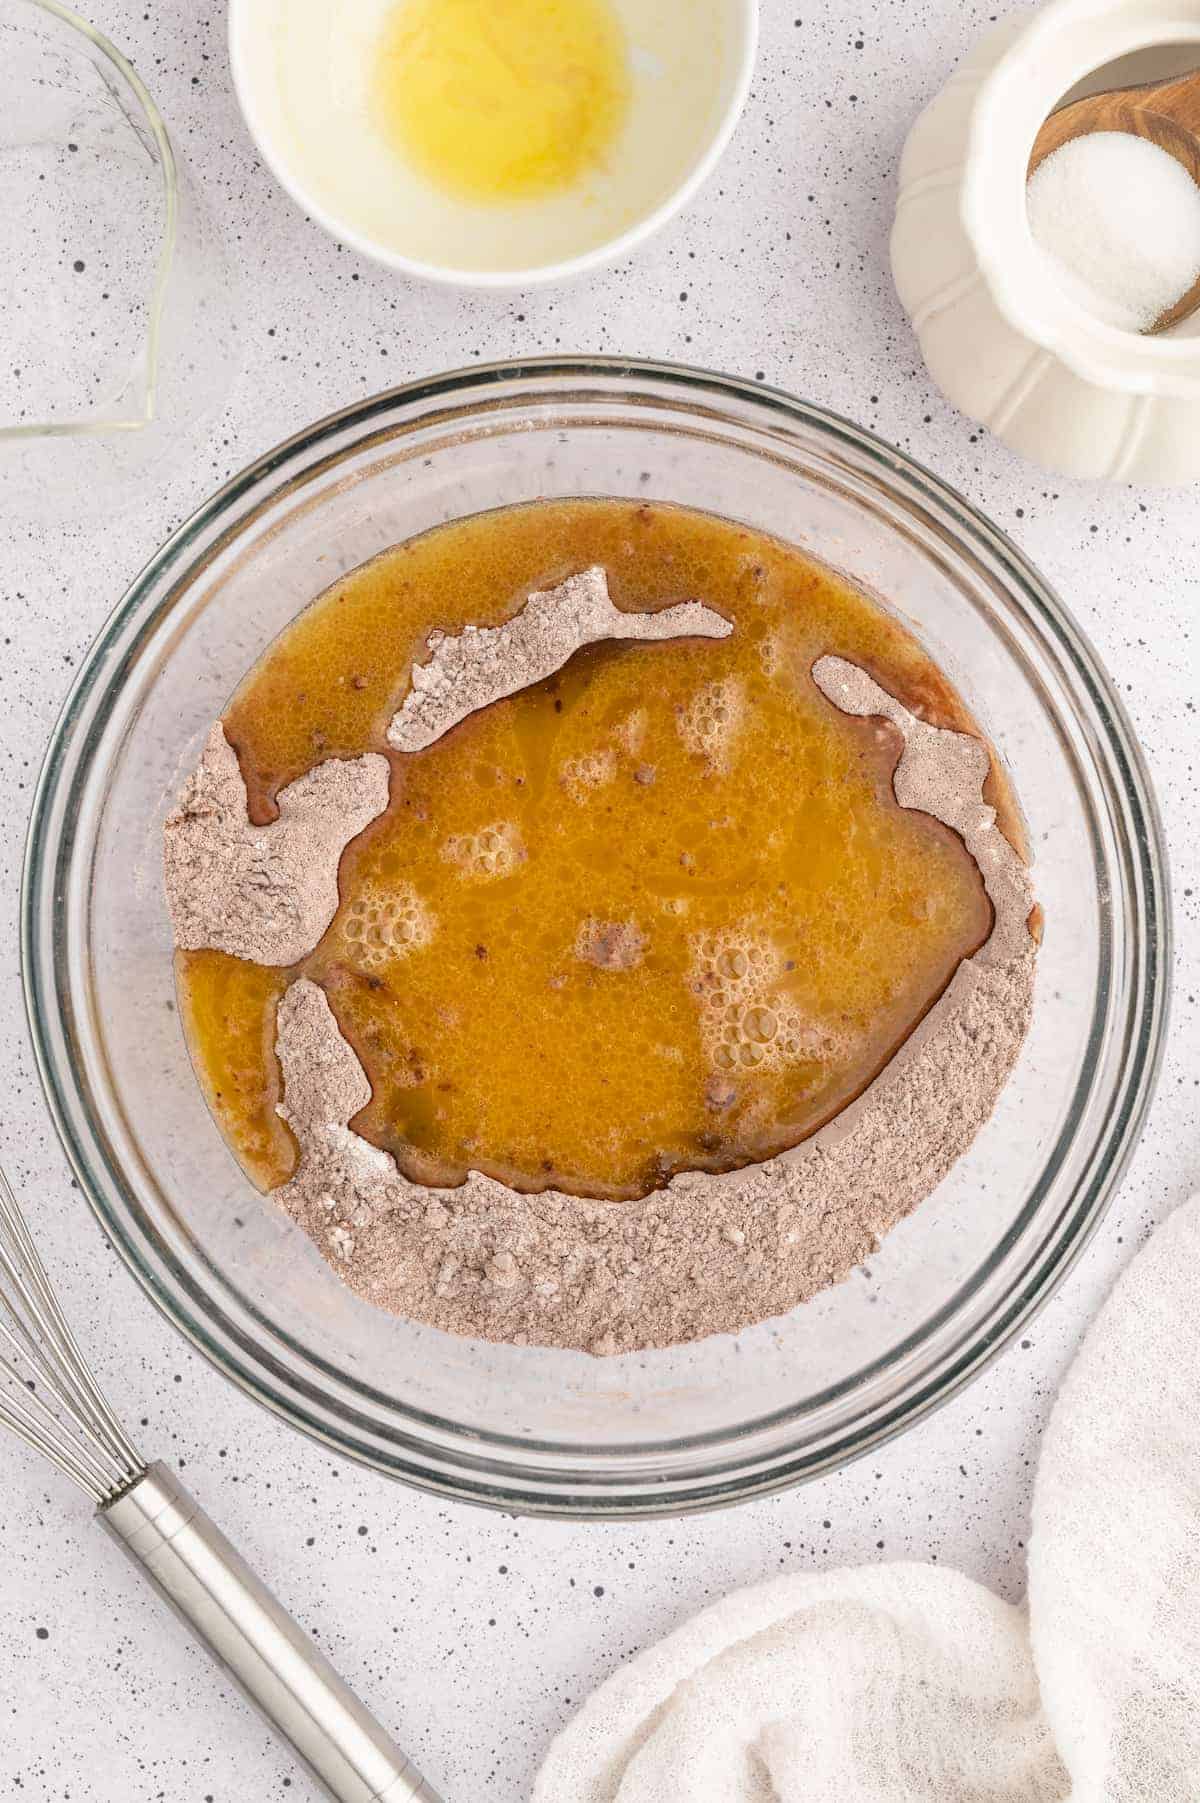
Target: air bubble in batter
383, 924
494, 851
710, 722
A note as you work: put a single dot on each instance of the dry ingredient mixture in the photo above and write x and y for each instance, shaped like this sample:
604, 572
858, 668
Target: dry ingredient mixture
263, 893
615, 947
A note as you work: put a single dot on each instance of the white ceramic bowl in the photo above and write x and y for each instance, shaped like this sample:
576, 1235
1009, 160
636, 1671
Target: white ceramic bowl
304, 92
1007, 345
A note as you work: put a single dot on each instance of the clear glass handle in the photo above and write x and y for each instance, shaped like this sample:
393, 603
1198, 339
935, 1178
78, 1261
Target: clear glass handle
117, 312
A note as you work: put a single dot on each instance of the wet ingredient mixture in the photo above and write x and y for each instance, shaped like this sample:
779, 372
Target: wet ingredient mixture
659, 912
497, 100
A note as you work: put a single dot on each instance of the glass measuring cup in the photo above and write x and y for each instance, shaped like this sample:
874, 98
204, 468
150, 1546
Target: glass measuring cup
115, 316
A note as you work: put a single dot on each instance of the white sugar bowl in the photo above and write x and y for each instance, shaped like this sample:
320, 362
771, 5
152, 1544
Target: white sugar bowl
1003, 341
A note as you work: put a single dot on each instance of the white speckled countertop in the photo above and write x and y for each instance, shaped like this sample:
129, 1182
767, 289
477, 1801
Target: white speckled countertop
473, 1636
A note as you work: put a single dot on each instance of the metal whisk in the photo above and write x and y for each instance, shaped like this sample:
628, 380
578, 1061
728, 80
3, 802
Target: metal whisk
49, 1398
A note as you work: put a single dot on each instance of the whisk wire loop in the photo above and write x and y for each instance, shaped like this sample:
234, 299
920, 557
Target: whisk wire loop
50, 1398
32, 1428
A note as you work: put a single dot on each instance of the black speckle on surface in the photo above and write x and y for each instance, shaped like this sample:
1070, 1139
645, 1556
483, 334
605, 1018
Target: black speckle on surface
816, 302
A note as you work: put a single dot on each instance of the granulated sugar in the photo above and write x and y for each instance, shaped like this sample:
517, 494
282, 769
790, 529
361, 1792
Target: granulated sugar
1118, 222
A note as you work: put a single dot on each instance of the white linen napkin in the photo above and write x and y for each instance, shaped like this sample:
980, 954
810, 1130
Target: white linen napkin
905, 1683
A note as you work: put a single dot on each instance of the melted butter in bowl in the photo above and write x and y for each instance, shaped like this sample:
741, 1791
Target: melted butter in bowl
495, 100
492, 142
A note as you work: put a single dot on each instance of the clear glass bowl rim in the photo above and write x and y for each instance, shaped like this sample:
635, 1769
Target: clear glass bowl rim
432, 1453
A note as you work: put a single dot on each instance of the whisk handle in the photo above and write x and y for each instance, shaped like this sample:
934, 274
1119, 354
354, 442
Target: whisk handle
191, 1563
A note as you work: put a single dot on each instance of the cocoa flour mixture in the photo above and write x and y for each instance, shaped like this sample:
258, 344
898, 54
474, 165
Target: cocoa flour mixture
707, 1254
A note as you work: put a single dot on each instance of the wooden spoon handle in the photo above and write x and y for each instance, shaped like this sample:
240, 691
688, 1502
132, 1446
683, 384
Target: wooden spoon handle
1178, 100
1166, 112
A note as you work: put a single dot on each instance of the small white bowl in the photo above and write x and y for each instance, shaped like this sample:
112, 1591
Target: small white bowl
302, 80
1006, 343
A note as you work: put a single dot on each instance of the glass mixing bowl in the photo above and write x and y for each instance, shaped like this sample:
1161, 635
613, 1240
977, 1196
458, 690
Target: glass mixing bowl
523, 1427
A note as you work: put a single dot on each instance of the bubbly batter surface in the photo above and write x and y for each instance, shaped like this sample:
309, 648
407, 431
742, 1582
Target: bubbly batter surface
658, 912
